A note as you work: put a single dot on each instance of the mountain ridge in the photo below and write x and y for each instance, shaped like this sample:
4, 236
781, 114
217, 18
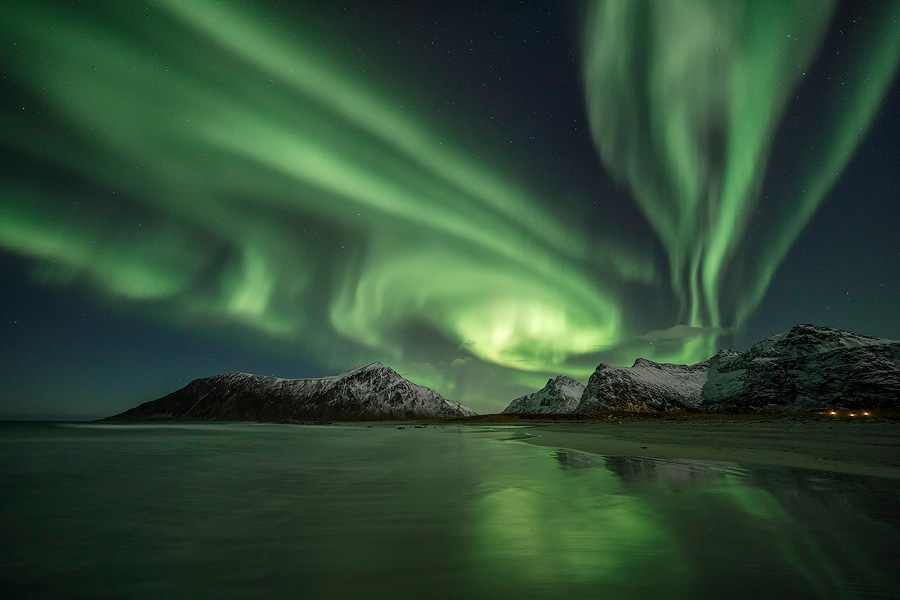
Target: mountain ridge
807, 367
365, 393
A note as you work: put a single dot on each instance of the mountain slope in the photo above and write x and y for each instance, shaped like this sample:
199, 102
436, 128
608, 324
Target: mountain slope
807, 367
369, 392
646, 386
560, 395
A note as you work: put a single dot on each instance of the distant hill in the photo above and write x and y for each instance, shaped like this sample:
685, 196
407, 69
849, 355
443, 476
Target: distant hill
369, 392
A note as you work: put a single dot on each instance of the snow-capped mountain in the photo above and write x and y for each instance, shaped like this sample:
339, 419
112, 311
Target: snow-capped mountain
560, 395
804, 368
647, 386
368, 392
807, 367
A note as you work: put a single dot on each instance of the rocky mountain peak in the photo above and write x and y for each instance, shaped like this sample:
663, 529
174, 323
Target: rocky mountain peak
562, 381
803, 339
369, 368
807, 367
644, 386
561, 395
644, 362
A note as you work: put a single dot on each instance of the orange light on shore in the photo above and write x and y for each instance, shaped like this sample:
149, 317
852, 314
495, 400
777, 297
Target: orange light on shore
865, 413
852, 414
833, 413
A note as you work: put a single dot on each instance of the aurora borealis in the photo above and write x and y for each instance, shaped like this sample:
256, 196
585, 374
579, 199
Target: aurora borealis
481, 196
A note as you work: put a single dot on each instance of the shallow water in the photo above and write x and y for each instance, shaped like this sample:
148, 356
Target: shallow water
260, 511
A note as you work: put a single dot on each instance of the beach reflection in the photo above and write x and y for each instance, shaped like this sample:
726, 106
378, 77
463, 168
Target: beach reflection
634, 526
277, 511
578, 526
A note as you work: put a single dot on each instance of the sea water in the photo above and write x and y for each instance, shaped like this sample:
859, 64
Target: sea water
350, 511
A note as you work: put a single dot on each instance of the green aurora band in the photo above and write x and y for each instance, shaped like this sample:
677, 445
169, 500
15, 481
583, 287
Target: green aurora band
684, 99
231, 173
268, 186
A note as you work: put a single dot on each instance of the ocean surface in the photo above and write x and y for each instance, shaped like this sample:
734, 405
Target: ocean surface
285, 511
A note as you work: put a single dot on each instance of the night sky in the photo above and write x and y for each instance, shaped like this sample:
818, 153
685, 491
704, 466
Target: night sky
480, 195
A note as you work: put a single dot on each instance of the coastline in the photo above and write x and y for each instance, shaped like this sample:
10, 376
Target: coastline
860, 448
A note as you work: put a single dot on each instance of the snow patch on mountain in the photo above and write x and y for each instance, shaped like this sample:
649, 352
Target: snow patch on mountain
560, 395
367, 392
646, 386
807, 367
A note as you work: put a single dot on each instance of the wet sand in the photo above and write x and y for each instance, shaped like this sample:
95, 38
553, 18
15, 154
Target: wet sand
858, 447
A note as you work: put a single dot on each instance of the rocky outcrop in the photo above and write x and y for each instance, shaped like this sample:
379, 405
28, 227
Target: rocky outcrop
560, 395
807, 367
647, 386
369, 392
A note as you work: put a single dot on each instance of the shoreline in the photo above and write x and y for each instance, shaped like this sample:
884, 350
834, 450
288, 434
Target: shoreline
867, 446
860, 448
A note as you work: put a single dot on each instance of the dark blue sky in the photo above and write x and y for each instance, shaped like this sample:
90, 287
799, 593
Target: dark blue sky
454, 189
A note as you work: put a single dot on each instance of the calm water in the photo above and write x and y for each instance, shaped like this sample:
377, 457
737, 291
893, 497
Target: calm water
260, 511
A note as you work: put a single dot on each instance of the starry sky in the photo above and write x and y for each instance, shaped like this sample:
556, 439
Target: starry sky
480, 195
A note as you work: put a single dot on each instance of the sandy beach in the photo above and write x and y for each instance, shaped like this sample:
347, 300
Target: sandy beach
857, 447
